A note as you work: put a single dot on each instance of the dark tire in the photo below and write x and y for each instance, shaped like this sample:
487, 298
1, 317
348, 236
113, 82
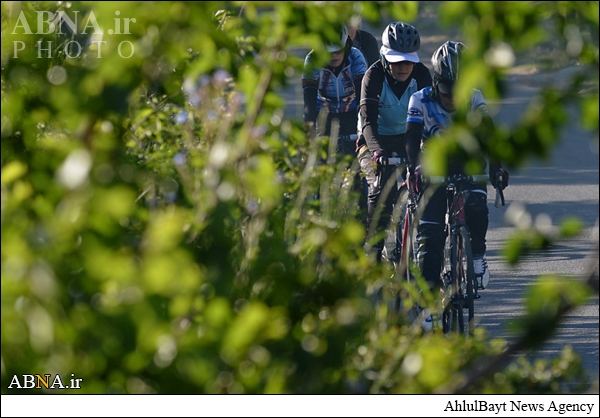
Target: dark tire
459, 280
466, 279
449, 314
409, 262
398, 218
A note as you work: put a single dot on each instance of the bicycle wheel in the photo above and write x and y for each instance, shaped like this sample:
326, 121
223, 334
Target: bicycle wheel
404, 254
408, 259
397, 219
462, 284
394, 255
450, 312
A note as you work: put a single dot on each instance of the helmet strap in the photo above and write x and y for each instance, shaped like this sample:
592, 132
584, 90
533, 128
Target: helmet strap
386, 65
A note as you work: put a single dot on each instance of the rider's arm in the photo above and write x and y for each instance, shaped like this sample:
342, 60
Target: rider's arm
369, 105
369, 47
495, 171
359, 68
484, 131
358, 85
310, 104
414, 129
310, 85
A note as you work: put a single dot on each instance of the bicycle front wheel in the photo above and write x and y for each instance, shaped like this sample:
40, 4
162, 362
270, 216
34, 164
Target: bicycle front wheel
460, 278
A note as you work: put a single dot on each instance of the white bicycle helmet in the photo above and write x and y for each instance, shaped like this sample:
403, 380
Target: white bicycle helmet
400, 42
343, 40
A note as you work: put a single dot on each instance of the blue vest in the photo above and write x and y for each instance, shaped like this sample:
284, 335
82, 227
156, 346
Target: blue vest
392, 112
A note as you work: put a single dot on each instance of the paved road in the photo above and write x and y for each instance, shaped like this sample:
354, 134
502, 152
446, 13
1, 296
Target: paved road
566, 184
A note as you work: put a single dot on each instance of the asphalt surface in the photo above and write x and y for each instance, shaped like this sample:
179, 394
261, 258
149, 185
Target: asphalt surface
564, 185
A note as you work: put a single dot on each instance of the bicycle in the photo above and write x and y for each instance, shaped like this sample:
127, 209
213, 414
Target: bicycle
405, 233
400, 230
395, 233
459, 285
405, 248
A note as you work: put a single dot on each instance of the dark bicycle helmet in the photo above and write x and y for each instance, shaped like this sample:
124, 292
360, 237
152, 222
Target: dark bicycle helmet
400, 42
446, 62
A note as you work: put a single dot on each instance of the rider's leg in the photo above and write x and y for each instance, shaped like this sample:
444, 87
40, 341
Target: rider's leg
431, 239
477, 217
359, 184
375, 190
430, 249
362, 187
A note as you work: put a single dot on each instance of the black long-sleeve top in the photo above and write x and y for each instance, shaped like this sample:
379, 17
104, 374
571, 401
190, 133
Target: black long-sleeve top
372, 86
367, 44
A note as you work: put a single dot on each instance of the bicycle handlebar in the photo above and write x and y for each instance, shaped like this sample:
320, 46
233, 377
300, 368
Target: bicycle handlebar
391, 161
350, 137
476, 178
457, 178
499, 192
499, 197
397, 161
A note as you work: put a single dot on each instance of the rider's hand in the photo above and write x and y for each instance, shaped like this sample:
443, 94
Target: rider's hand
380, 158
415, 179
500, 179
310, 129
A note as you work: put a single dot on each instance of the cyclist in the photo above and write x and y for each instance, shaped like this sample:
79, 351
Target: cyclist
431, 111
367, 44
336, 88
386, 90
363, 40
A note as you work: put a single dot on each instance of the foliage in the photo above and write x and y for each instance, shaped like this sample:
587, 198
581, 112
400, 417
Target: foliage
165, 229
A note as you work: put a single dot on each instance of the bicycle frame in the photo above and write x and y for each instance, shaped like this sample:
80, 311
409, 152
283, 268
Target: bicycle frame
458, 276
399, 165
403, 256
407, 232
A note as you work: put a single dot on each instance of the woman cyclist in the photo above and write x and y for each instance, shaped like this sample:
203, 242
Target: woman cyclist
431, 111
386, 90
336, 88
